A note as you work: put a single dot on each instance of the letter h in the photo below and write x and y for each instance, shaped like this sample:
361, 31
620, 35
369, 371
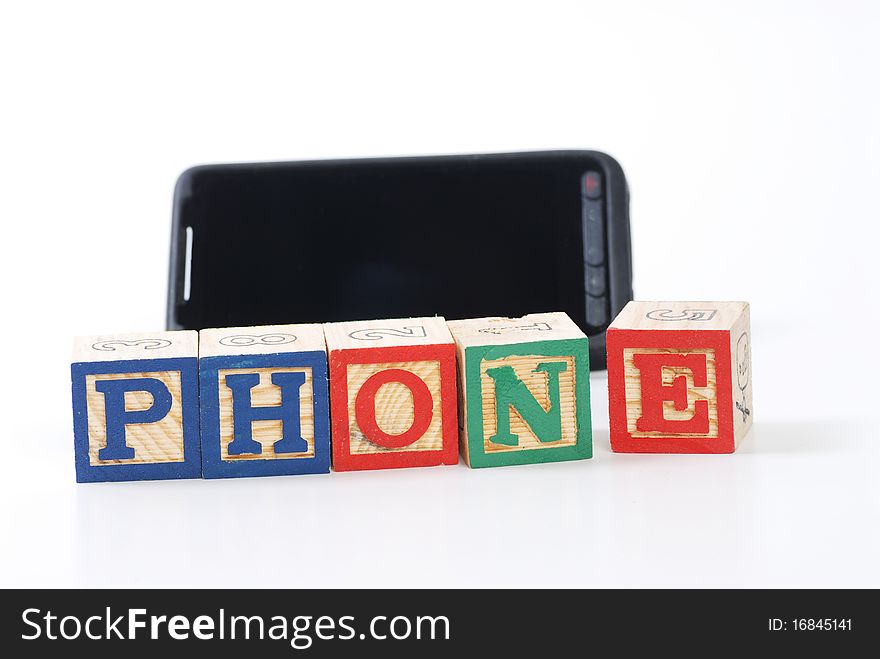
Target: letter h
244, 413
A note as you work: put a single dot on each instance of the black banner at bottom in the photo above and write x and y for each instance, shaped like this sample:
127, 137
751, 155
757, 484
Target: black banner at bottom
434, 622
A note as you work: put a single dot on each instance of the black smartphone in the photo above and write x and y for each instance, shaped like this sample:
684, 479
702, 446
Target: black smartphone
458, 236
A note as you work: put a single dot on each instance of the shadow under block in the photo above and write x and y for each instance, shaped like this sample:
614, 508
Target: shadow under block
264, 407
524, 385
136, 406
679, 377
392, 393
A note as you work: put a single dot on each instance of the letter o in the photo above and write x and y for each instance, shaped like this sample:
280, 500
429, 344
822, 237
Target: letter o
365, 408
393, 624
77, 626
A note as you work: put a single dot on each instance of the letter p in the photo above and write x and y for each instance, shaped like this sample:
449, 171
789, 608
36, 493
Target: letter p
117, 417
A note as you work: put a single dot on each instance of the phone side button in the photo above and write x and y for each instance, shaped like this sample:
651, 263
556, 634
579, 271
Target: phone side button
595, 279
594, 233
593, 185
596, 315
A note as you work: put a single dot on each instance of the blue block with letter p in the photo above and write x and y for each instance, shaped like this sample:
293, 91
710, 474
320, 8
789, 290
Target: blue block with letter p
136, 406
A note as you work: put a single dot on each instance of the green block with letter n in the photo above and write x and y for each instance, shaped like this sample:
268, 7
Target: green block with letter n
527, 402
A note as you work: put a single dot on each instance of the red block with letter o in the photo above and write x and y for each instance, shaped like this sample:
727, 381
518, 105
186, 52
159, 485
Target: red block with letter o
679, 377
393, 399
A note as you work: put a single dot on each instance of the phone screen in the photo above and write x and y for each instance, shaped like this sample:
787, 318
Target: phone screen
461, 237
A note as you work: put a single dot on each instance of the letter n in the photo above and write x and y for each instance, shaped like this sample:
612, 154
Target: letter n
511, 392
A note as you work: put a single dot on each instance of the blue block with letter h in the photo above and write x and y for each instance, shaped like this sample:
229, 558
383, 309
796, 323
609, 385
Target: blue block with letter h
136, 407
264, 404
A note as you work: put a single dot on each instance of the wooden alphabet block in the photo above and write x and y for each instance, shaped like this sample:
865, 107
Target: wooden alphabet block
264, 406
524, 388
136, 406
392, 393
679, 377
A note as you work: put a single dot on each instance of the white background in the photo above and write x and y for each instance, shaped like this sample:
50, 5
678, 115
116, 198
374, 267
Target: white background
749, 134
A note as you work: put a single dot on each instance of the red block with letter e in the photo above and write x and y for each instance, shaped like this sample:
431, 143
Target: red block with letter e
679, 377
393, 397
